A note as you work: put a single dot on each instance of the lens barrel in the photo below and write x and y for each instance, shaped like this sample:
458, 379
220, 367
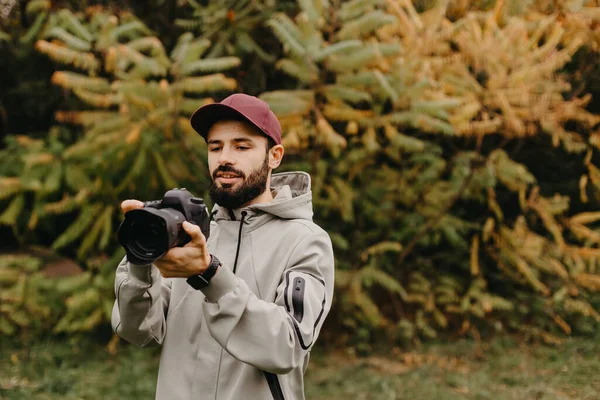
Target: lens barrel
148, 233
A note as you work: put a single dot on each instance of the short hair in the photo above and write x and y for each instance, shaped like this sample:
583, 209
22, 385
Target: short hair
270, 143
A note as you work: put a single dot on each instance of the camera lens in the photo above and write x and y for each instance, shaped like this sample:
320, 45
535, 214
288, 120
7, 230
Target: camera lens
146, 237
147, 234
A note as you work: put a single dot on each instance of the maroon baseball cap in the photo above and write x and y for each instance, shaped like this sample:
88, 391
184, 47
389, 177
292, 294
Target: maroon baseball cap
236, 106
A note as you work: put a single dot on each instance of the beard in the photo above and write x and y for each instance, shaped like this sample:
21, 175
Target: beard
251, 187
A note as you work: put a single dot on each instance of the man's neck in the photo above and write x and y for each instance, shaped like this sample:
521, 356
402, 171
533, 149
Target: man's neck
265, 197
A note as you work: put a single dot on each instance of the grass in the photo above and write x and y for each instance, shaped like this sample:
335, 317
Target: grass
499, 369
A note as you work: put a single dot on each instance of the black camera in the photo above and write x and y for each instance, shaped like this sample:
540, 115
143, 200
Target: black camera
148, 233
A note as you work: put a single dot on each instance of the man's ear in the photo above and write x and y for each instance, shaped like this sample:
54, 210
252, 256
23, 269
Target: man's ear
275, 156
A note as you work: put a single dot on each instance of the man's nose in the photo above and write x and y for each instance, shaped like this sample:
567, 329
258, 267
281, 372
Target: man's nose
226, 157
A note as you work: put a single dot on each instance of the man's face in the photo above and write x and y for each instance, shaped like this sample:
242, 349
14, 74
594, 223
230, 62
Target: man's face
238, 163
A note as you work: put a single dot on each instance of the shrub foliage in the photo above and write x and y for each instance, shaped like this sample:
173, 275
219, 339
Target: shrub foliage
453, 148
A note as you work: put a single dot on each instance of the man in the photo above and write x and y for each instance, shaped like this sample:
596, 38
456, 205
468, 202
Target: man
243, 325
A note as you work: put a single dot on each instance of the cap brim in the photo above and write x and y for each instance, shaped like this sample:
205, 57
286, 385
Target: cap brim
206, 116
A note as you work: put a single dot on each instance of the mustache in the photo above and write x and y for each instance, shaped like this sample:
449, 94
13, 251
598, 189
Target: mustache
227, 168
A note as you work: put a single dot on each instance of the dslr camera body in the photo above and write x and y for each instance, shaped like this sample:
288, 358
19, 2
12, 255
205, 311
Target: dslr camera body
148, 233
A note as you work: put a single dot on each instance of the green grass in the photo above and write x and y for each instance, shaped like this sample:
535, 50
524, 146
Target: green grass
500, 369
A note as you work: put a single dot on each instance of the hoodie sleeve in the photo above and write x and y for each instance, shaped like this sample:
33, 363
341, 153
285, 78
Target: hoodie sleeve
274, 337
142, 301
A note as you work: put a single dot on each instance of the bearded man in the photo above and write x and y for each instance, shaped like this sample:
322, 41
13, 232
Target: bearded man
236, 315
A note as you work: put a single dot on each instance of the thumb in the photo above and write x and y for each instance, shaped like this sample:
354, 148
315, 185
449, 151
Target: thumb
194, 231
129, 205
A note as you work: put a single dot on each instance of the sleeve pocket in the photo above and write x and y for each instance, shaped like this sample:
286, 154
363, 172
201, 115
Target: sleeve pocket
305, 302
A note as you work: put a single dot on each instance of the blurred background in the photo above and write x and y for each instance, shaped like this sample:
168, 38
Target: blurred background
454, 147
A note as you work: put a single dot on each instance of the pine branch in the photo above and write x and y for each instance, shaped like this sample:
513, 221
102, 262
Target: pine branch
72, 80
210, 65
74, 25
365, 24
80, 60
203, 84
432, 223
70, 40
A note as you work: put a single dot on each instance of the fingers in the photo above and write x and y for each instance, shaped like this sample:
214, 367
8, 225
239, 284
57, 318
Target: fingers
198, 241
181, 262
195, 233
174, 274
129, 205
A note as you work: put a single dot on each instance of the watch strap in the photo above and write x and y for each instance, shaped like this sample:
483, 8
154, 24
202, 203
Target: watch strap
202, 280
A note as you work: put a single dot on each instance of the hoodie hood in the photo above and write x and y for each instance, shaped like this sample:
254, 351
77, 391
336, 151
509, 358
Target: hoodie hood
292, 200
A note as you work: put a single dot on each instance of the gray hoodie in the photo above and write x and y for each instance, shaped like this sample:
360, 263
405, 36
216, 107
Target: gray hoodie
248, 334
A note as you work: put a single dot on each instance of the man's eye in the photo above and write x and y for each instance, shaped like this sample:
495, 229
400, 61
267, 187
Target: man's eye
243, 148
215, 149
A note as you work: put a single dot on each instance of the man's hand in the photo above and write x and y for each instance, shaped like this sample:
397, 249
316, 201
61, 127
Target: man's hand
129, 205
191, 259
180, 262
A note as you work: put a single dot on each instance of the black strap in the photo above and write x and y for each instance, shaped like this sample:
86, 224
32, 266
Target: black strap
274, 386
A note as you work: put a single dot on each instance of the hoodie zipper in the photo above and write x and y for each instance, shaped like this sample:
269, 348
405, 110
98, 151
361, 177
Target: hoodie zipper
272, 379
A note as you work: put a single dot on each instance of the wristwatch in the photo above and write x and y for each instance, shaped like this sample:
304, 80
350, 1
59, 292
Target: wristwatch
202, 280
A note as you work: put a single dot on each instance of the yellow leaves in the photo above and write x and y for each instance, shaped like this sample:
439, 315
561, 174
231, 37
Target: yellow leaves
380, 248
291, 139
38, 159
595, 139
584, 233
86, 118
582, 188
543, 207
85, 61
512, 174
588, 281
562, 324
475, 268
403, 142
494, 206
7, 182
352, 128
579, 306
9, 276
337, 113
585, 217
327, 135
203, 84
558, 268
290, 106
530, 276
27, 141
67, 203
72, 80
488, 229
369, 140
110, 59
134, 134
98, 100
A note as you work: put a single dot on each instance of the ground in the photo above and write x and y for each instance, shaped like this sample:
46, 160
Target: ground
498, 369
